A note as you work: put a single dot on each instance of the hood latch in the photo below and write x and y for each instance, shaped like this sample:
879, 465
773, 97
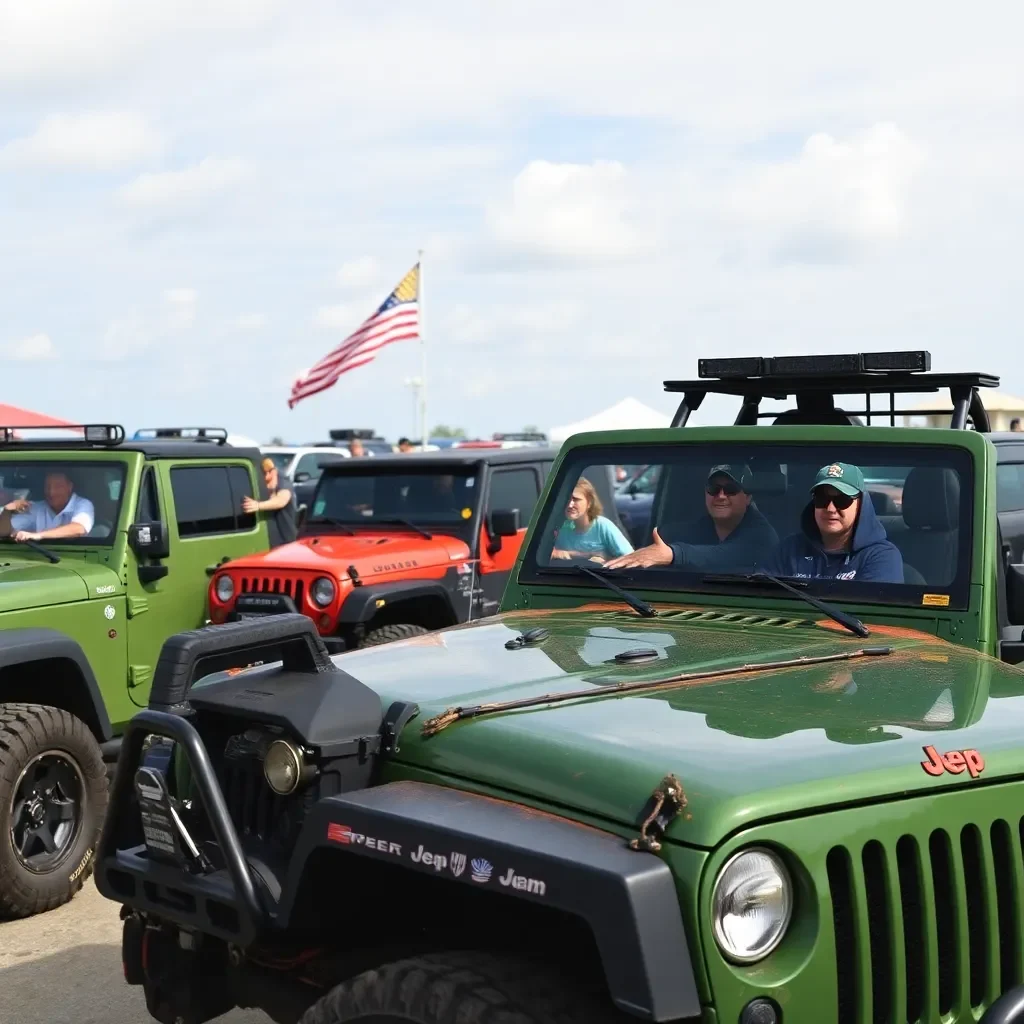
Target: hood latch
667, 800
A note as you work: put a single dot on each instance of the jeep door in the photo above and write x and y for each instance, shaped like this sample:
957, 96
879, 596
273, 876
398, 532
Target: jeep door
200, 505
515, 486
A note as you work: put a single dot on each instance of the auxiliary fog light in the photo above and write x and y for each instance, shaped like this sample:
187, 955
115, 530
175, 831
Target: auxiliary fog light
285, 767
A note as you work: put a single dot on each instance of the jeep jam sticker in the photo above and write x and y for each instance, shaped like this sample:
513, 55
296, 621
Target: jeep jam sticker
954, 762
450, 862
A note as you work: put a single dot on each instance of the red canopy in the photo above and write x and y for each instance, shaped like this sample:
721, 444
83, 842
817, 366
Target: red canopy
12, 416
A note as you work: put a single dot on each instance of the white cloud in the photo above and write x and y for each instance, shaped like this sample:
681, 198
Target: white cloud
835, 193
170, 189
359, 273
124, 337
182, 306
97, 141
251, 321
49, 41
34, 348
335, 316
568, 212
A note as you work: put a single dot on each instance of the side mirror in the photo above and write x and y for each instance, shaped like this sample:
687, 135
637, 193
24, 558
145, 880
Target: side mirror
149, 540
301, 478
505, 522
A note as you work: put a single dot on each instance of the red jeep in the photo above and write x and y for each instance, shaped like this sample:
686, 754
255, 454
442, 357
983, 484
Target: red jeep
397, 545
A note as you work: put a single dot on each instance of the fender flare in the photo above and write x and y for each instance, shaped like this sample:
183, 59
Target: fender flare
38, 643
627, 898
361, 604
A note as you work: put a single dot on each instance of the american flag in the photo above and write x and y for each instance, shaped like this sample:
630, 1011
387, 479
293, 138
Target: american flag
397, 319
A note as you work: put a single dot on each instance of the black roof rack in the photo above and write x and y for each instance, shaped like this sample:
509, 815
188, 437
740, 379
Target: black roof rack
93, 435
815, 380
216, 434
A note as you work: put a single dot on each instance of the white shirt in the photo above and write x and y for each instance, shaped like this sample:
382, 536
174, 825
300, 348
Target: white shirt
41, 517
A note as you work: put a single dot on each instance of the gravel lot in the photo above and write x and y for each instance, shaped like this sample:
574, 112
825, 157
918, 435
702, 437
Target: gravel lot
65, 968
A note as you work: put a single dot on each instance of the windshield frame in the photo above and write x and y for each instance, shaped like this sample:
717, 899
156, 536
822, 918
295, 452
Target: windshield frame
61, 462
609, 449
401, 468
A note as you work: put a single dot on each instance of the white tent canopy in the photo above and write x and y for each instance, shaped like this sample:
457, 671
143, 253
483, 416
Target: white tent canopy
629, 414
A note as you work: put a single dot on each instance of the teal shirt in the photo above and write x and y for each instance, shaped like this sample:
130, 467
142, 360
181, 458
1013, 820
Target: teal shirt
603, 538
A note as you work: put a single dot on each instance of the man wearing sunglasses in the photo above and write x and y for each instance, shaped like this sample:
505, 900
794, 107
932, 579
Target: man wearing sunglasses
840, 536
731, 535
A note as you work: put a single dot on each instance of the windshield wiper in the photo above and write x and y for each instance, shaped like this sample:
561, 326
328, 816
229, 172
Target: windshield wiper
638, 604
851, 622
333, 522
391, 520
45, 552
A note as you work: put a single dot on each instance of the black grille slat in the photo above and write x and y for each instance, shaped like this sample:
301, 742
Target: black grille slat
840, 881
946, 922
977, 923
911, 897
879, 932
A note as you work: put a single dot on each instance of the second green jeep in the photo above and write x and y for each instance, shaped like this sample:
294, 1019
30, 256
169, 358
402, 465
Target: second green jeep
83, 620
743, 784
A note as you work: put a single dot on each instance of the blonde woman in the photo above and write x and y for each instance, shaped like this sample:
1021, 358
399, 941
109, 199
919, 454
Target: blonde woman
586, 533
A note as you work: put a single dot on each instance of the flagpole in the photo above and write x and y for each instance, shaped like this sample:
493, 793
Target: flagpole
423, 367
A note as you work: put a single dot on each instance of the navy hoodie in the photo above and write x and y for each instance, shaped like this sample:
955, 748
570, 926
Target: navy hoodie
696, 546
872, 557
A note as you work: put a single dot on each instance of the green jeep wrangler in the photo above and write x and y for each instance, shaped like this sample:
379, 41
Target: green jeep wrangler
743, 785
83, 619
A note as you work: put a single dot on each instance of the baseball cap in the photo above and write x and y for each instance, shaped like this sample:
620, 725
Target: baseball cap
738, 474
845, 478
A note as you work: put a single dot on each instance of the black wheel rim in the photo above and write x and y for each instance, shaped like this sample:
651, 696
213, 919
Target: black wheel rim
46, 811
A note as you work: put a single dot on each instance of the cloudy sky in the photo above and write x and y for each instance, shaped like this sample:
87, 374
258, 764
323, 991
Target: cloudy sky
199, 198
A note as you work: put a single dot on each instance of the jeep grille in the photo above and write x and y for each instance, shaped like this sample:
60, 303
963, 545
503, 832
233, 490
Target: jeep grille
928, 926
273, 585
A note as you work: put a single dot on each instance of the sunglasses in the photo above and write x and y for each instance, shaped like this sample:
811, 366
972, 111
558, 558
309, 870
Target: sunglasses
841, 501
730, 489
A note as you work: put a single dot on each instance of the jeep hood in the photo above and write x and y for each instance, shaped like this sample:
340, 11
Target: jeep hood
36, 583
746, 748
373, 553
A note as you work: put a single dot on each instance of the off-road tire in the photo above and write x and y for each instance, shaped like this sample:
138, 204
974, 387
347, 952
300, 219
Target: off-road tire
386, 634
468, 988
27, 731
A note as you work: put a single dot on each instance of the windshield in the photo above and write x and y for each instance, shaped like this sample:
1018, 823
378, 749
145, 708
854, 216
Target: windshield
41, 495
427, 495
879, 523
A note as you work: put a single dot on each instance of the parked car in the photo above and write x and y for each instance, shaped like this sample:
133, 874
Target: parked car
396, 546
83, 620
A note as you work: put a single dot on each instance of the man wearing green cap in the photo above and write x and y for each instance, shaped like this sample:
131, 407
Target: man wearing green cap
840, 536
731, 535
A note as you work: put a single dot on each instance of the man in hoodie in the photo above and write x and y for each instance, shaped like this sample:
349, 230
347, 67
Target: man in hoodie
730, 536
840, 536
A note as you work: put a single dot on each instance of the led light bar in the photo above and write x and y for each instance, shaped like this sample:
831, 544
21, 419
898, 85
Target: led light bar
816, 365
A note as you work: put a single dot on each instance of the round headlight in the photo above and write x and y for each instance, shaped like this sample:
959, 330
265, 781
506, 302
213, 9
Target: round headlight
283, 767
323, 591
751, 905
225, 588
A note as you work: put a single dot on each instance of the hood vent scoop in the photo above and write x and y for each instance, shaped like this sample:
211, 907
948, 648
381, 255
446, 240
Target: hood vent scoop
734, 618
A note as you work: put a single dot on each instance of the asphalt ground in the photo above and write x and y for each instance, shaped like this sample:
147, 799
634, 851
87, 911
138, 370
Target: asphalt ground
64, 967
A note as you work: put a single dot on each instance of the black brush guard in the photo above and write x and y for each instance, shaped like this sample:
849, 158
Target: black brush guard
230, 903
